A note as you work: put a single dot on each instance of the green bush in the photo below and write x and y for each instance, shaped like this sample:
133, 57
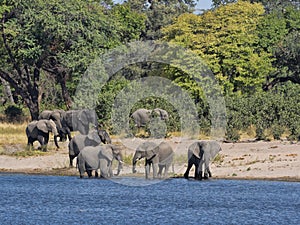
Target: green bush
14, 113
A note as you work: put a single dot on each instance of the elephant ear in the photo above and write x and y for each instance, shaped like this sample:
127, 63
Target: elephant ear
157, 111
31, 126
46, 126
42, 125
107, 152
197, 148
151, 150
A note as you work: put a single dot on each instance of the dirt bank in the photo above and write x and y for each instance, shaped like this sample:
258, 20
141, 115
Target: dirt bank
276, 160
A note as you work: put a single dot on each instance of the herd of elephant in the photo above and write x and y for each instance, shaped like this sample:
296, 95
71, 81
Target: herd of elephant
94, 149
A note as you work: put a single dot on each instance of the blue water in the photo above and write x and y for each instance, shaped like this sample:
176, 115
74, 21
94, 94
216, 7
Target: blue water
29, 199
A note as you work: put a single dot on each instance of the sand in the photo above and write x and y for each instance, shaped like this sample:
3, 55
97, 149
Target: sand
275, 160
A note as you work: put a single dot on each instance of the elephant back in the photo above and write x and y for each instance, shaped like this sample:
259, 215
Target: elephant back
45, 115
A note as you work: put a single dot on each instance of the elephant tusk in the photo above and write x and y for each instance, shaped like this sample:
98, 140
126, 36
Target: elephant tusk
121, 161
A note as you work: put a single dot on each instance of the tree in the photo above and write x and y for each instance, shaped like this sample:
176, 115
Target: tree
160, 13
57, 37
226, 38
279, 35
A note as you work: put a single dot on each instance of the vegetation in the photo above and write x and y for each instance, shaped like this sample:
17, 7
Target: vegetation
251, 47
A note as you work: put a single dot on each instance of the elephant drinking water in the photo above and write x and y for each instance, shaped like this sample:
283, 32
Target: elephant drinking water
99, 157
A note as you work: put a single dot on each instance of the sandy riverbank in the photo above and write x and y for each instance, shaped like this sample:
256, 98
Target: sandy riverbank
276, 160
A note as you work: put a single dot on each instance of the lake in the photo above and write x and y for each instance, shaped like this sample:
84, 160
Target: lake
38, 199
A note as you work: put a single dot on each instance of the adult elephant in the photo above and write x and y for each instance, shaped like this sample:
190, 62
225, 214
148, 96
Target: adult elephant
163, 114
200, 153
99, 157
39, 131
80, 141
159, 156
80, 120
58, 116
142, 116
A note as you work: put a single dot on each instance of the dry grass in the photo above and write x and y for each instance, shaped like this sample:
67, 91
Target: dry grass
12, 134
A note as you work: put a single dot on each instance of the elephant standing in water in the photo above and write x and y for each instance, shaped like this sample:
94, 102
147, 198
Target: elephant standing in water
38, 130
99, 157
159, 156
199, 153
80, 141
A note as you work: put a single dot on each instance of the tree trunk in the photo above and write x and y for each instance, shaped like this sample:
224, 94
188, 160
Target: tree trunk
65, 93
7, 91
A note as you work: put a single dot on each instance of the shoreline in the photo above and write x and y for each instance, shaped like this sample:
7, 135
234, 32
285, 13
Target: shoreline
271, 161
61, 173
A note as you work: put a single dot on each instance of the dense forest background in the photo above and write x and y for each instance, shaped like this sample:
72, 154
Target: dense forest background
252, 48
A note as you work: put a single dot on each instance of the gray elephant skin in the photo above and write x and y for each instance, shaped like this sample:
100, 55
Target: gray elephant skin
99, 157
58, 116
38, 130
80, 120
80, 141
160, 156
142, 116
200, 153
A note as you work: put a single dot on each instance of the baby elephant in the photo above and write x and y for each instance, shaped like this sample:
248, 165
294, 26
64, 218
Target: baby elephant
99, 157
199, 153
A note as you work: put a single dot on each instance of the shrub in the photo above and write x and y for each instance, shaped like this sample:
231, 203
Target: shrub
14, 113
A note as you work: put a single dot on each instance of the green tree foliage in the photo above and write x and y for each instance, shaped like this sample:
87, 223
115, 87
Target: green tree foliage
226, 38
279, 34
57, 37
160, 13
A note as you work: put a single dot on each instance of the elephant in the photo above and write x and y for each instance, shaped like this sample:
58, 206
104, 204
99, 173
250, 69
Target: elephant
38, 130
199, 153
159, 156
163, 114
80, 141
99, 157
79, 120
58, 116
142, 116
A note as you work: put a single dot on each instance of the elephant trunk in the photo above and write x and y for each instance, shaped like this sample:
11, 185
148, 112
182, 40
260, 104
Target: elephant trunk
55, 141
120, 165
134, 160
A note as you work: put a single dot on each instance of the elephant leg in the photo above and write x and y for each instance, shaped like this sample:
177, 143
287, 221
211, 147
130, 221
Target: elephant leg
110, 172
186, 174
160, 169
166, 170
104, 168
147, 170
41, 140
71, 157
89, 172
30, 143
155, 167
200, 170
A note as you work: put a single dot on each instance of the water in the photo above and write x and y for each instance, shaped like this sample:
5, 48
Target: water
29, 199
